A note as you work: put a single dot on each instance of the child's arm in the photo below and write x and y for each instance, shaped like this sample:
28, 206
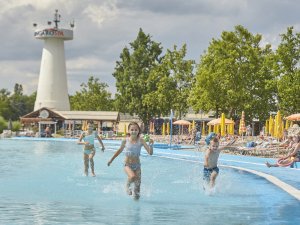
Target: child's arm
80, 142
295, 151
101, 142
117, 152
149, 148
228, 144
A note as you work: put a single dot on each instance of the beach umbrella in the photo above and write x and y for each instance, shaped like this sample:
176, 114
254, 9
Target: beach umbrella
223, 124
151, 127
209, 128
242, 126
163, 129
84, 125
182, 122
279, 127
125, 129
203, 128
193, 124
218, 121
286, 124
267, 127
271, 126
168, 128
293, 117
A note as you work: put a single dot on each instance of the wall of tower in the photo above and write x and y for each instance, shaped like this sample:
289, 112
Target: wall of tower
52, 89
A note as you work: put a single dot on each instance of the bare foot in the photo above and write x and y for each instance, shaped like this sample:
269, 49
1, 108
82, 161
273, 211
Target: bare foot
93, 174
129, 192
136, 196
85, 173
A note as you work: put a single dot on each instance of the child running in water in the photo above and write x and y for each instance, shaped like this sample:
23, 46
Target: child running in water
132, 165
211, 170
89, 150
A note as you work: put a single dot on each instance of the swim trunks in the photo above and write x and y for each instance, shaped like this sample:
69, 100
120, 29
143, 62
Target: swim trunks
133, 166
208, 171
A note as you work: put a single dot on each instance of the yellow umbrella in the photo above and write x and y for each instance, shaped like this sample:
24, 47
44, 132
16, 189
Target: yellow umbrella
271, 126
203, 128
286, 124
168, 128
84, 125
279, 128
242, 127
223, 124
125, 129
193, 124
267, 127
209, 129
163, 129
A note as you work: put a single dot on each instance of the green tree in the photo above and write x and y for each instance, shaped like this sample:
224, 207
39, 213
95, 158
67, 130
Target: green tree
288, 72
20, 104
3, 124
132, 73
92, 97
4, 103
171, 82
234, 75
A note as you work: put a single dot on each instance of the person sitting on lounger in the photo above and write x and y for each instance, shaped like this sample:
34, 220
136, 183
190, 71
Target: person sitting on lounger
293, 156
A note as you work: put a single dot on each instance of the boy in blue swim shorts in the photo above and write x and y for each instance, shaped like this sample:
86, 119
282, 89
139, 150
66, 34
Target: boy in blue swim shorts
211, 170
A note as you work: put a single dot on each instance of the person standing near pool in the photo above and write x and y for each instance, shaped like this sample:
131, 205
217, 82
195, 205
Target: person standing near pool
132, 166
211, 170
88, 139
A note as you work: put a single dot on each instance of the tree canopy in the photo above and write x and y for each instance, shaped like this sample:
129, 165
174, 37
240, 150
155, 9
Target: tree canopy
235, 75
93, 96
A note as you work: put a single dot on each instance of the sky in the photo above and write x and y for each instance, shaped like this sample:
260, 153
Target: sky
104, 27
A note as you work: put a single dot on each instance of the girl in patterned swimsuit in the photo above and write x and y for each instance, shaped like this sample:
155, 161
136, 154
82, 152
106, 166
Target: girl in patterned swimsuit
89, 150
132, 165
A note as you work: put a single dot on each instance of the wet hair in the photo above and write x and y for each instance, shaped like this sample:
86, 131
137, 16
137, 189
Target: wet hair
134, 124
215, 139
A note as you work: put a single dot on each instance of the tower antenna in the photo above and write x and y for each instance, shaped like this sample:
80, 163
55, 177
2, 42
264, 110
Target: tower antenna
56, 18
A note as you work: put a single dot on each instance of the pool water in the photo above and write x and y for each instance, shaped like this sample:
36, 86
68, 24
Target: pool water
42, 182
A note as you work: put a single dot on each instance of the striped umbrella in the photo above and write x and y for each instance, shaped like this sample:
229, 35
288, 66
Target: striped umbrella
242, 127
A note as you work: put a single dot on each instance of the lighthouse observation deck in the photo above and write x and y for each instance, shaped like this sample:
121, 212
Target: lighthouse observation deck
64, 34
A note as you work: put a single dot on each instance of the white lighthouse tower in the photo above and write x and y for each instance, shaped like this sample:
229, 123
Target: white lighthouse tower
52, 89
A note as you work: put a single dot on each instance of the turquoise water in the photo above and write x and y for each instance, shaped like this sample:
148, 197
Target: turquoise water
42, 182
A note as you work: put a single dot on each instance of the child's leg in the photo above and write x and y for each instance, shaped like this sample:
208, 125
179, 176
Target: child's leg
271, 165
86, 163
213, 177
130, 179
137, 183
91, 157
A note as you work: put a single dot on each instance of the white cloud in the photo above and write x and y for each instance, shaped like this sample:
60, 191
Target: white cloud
104, 27
99, 13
